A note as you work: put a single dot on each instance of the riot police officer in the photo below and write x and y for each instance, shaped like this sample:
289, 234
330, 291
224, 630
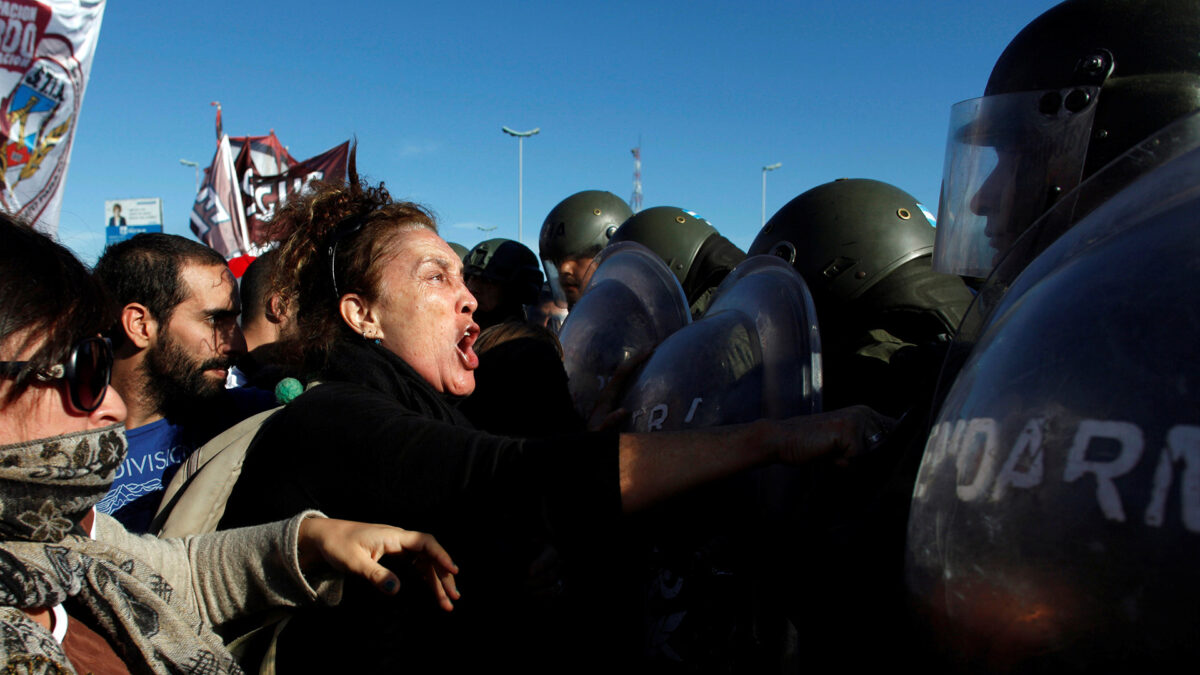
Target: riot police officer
1053, 526
503, 276
573, 233
864, 248
695, 252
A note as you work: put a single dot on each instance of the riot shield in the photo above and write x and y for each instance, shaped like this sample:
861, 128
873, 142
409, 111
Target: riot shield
631, 304
1055, 521
755, 354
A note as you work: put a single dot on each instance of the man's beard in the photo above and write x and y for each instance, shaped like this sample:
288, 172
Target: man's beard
176, 381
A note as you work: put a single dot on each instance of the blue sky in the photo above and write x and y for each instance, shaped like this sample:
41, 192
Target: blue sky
713, 90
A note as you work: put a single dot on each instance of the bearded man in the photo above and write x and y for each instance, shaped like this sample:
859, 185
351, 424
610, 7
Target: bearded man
175, 335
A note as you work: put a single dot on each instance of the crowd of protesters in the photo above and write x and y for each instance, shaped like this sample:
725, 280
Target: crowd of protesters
190, 463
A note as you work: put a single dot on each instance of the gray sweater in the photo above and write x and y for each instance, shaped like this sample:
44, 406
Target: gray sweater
225, 575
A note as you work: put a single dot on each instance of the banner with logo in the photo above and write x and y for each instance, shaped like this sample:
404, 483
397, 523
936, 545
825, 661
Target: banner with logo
46, 53
261, 193
264, 153
218, 218
262, 176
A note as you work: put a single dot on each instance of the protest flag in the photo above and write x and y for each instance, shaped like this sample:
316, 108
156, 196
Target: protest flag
46, 51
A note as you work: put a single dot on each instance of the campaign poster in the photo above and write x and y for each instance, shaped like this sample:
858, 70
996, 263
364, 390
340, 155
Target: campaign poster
127, 217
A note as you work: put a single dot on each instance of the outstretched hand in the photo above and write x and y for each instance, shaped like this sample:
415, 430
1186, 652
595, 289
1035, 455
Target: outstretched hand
840, 435
355, 548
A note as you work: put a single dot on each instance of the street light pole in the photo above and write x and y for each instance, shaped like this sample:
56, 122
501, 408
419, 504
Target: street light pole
765, 169
197, 168
520, 136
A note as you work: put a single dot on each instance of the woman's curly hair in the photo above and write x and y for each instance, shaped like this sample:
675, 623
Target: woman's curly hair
357, 224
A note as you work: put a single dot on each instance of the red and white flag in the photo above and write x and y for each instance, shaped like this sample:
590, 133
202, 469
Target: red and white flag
218, 218
46, 53
249, 178
263, 193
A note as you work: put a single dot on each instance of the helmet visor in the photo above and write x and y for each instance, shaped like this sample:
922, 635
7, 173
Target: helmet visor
552, 280
1008, 159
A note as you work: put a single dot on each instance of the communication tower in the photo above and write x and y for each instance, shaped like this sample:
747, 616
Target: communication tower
635, 202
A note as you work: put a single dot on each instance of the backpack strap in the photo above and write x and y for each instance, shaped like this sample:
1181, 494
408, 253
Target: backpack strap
194, 501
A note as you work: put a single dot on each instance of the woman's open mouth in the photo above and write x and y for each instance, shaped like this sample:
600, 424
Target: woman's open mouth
469, 358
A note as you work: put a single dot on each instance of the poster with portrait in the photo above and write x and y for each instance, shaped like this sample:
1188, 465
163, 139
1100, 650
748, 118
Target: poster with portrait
127, 217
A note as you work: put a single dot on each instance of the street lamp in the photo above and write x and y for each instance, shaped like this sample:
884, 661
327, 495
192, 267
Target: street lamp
769, 167
197, 168
521, 136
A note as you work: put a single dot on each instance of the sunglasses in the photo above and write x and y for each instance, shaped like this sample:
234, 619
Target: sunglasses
87, 370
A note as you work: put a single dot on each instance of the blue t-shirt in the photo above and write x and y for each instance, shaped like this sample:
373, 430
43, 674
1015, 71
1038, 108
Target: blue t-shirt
155, 452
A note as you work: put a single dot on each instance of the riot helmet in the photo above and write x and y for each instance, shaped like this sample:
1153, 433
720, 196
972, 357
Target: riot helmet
508, 263
847, 235
864, 248
1080, 85
574, 231
693, 250
1055, 522
459, 249
504, 277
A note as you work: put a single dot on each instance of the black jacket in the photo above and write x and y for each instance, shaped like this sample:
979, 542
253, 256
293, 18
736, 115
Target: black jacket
376, 443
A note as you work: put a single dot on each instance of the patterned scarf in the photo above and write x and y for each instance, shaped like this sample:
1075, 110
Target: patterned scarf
46, 487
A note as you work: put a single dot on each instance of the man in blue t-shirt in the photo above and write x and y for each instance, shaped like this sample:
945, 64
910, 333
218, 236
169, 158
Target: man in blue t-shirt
176, 336
155, 452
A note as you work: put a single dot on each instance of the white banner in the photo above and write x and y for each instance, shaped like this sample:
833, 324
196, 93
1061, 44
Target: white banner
218, 218
46, 53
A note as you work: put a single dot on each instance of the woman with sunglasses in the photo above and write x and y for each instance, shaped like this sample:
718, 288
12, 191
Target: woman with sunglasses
77, 592
385, 321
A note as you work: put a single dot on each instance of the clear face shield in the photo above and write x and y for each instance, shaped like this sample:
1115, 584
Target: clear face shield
1009, 158
560, 298
577, 270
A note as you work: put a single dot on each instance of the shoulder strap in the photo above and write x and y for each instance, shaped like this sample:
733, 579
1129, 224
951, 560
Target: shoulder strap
194, 501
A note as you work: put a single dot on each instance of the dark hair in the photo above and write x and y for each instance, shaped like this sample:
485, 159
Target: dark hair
364, 220
255, 285
46, 295
146, 269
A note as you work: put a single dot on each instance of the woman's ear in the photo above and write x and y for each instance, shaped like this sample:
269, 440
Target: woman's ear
360, 316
